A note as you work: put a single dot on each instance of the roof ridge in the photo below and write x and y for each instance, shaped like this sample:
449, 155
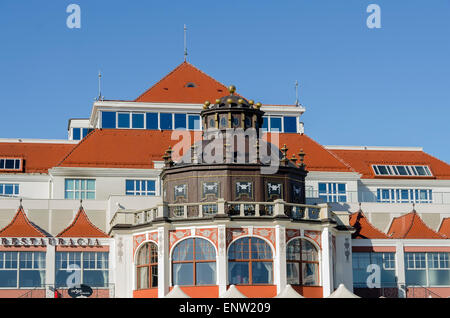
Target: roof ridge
175, 69
76, 146
331, 153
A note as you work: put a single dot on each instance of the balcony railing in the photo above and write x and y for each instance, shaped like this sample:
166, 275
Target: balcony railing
233, 209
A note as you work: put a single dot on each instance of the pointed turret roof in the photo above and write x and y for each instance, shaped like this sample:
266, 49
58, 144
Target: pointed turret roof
342, 292
444, 229
185, 84
20, 226
81, 226
411, 226
232, 292
364, 229
289, 292
177, 292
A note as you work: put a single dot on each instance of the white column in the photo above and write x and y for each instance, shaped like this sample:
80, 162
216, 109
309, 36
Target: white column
280, 258
327, 263
50, 271
124, 266
344, 268
400, 269
163, 261
112, 268
221, 260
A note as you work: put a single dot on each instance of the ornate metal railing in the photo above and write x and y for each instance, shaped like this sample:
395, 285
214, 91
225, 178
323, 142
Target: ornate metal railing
233, 209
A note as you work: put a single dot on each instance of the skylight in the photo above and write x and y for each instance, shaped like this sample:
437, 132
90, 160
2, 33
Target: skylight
402, 170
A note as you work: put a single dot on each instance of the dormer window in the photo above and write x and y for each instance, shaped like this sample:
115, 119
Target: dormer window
10, 164
191, 85
402, 170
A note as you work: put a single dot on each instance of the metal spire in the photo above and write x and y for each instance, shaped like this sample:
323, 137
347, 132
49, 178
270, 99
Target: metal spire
185, 43
296, 93
100, 97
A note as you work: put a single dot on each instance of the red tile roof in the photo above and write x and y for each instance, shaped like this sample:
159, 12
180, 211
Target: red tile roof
444, 229
125, 148
173, 87
362, 160
38, 157
411, 226
317, 157
120, 148
82, 227
364, 229
20, 226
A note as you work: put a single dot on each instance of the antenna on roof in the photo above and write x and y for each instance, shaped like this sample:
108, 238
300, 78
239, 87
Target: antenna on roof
185, 43
100, 97
296, 93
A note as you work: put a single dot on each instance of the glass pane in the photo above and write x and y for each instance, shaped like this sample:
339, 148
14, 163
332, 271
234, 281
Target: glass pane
138, 120
180, 121
9, 163
151, 186
260, 249
30, 278
9, 189
322, 188
152, 121
206, 273
402, 170
108, 120
123, 120
154, 270
238, 273
239, 249
91, 185
142, 276
76, 133
129, 185
90, 195
309, 272
8, 278
275, 124
293, 273
85, 132
69, 184
194, 122
262, 273
184, 251
416, 278
265, 125
439, 277
290, 124
97, 278
183, 274
204, 250
165, 121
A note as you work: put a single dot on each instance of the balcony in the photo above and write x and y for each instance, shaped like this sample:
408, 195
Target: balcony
222, 208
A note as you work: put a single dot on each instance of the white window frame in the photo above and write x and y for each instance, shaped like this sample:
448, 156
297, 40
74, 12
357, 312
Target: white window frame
410, 169
85, 191
141, 191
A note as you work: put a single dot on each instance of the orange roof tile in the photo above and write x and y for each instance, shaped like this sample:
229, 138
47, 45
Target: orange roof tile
444, 229
20, 226
362, 160
173, 87
317, 157
121, 148
364, 229
411, 226
38, 157
137, 149
82, 227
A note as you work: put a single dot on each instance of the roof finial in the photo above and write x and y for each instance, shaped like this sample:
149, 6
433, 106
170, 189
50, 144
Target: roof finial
81, 203
100, 97
359, 203
414, 207
20, 203
185, 44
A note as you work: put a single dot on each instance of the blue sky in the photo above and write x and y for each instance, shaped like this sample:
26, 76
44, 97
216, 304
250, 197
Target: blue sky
361, 86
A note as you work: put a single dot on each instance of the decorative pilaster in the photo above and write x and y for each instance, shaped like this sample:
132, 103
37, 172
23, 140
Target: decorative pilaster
163, 261
280, 258
400, 269
221, 261
50, 270
327, 263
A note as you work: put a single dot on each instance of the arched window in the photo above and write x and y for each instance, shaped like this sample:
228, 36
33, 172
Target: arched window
302, 260
250, 262
147, 266
194, 263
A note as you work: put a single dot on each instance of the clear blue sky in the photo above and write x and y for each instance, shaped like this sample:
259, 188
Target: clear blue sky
378, 87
